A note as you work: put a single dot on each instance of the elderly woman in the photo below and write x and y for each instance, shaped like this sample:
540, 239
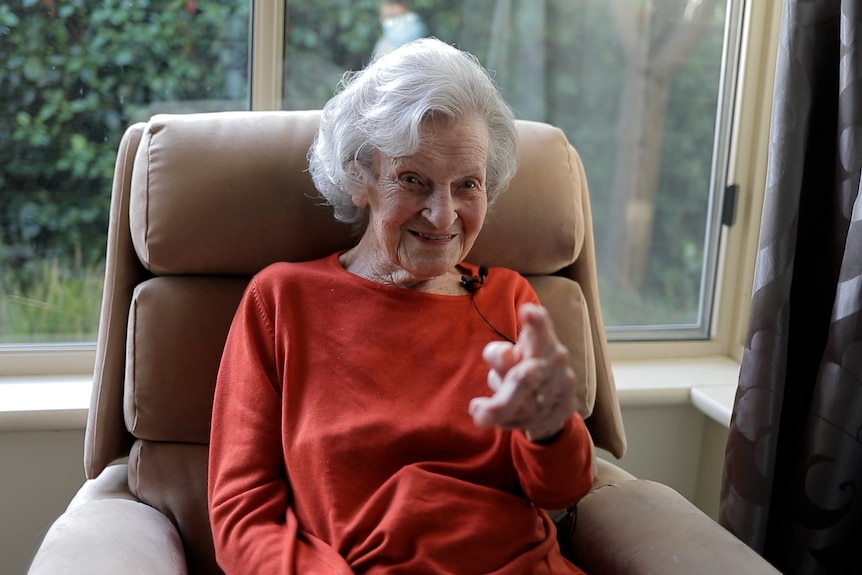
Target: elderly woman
353, 427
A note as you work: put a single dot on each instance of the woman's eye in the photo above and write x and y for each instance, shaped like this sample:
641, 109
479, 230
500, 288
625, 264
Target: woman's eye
471, 185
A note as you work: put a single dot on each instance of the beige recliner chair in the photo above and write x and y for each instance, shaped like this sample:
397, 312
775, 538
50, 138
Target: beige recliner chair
203, 201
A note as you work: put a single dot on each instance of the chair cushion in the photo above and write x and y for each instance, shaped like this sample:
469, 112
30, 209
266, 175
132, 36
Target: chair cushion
172, 477
148, 541
565, 299
537, 225
177, 330
229, 193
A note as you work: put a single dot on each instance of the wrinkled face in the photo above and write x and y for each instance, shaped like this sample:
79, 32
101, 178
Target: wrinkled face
427, 209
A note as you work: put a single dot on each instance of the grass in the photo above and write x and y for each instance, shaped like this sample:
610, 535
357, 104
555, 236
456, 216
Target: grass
53, 301
49, 301
621, 308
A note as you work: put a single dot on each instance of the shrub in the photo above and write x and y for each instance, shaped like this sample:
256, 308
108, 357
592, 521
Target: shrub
75, 74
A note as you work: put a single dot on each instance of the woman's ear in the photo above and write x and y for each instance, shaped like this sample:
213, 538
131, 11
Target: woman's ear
359, 189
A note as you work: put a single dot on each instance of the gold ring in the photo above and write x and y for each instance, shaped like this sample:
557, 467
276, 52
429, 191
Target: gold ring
539, 399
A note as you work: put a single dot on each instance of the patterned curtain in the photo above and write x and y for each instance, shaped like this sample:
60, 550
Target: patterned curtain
792, 485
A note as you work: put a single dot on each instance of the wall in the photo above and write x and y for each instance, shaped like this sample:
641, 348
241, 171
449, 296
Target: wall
678, 446
710, 468
41, 470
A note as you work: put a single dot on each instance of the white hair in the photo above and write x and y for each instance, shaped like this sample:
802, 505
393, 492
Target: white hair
383, 106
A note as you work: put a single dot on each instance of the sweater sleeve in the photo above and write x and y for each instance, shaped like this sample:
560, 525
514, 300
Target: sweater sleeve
254, 528
557, 474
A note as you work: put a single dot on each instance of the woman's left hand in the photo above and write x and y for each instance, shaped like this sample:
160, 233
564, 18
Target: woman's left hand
533, 383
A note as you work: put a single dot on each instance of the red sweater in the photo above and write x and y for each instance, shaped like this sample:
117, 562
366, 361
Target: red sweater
341, 441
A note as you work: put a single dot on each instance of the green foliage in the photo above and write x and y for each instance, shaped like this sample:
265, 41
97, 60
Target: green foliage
75, 74
60, 304
675, 264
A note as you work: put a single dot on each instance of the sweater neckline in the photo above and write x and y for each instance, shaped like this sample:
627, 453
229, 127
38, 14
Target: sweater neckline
465, 268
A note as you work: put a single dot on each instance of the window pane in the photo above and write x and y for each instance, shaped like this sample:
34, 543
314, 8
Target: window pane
637, 87
74, 76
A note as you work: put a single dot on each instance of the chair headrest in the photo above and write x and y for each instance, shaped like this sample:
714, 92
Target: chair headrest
229, 193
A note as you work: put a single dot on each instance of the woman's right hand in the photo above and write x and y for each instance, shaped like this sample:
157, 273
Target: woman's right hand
534, 385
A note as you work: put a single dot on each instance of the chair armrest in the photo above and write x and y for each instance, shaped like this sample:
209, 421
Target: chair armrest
106, 531
640, 527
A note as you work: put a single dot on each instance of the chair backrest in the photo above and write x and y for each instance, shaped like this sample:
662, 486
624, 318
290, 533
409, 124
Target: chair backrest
203, 201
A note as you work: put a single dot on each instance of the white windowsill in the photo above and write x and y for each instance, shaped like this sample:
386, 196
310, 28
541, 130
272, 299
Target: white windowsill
45, 403
715, 401
709, 384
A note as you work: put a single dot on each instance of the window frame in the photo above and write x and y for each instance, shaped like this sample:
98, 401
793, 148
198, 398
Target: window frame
747, 164
746, 158
720, 180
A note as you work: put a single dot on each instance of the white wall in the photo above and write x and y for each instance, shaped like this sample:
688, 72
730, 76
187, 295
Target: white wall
39, 473
677, 446
664, 445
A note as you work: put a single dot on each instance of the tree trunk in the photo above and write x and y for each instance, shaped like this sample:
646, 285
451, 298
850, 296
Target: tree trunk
656, 39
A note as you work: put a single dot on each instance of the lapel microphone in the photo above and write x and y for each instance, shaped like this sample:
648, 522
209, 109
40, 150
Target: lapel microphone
471, 284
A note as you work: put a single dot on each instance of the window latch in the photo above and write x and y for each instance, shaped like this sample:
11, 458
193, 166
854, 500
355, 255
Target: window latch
728, 208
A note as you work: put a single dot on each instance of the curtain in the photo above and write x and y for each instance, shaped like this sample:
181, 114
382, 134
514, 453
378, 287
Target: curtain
792, 483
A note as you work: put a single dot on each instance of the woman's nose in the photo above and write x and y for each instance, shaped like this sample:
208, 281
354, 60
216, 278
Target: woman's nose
440, 209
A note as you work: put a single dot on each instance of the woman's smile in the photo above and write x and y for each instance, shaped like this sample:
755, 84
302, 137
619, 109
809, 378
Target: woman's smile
433, 238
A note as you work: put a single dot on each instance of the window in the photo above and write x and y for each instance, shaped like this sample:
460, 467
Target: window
75, 75
644, 90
